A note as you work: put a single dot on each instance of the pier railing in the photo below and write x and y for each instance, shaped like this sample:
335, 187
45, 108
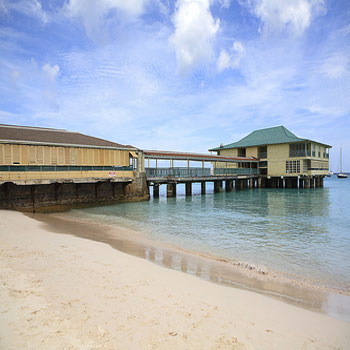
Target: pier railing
235, 171
177, 172
198, 172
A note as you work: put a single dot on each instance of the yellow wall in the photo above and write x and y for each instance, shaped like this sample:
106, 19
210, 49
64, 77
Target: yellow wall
276, 159
277, 155
11, 154
252, 152
229, 152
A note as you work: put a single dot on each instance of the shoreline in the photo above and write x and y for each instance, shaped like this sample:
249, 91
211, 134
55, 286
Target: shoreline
60, 291
209, 267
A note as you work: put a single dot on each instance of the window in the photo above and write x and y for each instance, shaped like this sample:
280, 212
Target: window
308, 149
241, 152
293, 166
313, 150
262, 152
297, 150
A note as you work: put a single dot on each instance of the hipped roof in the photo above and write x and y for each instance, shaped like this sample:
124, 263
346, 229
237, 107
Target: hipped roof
268, 136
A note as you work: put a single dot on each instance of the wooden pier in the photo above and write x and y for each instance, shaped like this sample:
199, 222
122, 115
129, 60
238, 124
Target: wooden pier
227, 174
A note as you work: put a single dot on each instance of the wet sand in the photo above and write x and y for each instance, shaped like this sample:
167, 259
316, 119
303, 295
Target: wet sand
60, 291
208, 267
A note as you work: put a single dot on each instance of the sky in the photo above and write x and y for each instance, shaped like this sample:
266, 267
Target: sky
182, 75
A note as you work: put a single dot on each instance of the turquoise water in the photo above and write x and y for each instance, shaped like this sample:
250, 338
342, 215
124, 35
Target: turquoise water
304, 233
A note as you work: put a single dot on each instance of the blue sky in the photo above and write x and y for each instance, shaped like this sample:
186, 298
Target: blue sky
178, 75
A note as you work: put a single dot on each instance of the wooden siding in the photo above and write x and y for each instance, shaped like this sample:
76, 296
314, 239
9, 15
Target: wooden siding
11, 154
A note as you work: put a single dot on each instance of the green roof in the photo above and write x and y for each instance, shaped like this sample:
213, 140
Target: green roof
268, 136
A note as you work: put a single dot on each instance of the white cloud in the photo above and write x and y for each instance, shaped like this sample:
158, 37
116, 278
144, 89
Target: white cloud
335, 66
223, 60
225, 3
232, 59
92, 12
276, 15
331, 111
195, 32
31, 8
51, 71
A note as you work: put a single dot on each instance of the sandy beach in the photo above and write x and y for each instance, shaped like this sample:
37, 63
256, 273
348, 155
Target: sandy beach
59, 291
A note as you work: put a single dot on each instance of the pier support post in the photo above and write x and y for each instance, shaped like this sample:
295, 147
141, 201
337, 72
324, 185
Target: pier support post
237, 185
301, 183
251, 183
156, 191
217, 186
203, 187
259, 182
288, 182
294, 182
275, 182
188, 186
171, 189
312, 182
228, 185
306, 182
318, 181
321, 181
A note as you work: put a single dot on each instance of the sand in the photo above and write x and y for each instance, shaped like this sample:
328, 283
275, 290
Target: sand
59, 291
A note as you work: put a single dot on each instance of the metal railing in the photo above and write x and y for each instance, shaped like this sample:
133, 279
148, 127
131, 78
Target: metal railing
235, 171
177, 172
198, 172
297, 154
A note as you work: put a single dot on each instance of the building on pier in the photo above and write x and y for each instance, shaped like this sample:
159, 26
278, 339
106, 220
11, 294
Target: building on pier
43, 166
281, 154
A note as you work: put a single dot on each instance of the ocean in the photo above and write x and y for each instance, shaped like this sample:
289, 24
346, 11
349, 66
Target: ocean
301, 233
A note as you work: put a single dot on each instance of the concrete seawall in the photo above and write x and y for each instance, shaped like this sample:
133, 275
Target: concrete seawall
63, 196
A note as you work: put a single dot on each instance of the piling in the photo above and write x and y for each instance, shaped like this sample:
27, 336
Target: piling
188, 187
156, 191
228, 185
217, 188
203, 187
171, 189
